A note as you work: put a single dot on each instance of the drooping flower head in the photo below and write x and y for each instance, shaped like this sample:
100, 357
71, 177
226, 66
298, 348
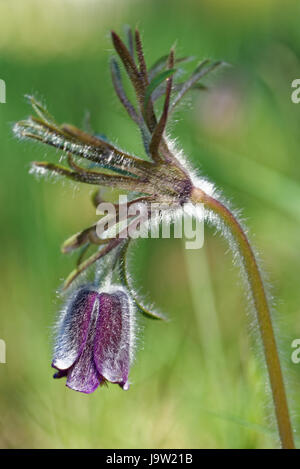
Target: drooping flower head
95, 339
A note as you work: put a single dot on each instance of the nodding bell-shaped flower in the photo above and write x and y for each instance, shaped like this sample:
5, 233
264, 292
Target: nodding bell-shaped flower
94, 343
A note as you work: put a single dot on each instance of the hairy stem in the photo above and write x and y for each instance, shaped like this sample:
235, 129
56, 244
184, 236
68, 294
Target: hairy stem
263, 313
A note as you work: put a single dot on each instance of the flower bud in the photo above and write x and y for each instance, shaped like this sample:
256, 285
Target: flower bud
94, 343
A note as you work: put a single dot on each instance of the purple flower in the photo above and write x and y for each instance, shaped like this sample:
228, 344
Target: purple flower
95, 340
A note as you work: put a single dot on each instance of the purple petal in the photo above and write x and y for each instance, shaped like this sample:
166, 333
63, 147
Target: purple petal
83, 376
60, 374
73, 329
113, 338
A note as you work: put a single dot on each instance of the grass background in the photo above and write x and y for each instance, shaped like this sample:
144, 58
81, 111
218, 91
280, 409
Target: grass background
198, 381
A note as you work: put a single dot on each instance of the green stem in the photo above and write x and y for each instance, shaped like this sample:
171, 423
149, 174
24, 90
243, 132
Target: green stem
263, 313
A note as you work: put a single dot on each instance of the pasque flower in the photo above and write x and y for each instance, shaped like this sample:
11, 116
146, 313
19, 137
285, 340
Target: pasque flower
90, 346
95, 339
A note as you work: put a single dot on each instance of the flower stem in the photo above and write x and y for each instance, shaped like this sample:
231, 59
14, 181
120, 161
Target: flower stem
263, 313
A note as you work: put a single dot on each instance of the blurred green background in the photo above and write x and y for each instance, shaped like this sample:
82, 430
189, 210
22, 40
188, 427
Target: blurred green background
198, 381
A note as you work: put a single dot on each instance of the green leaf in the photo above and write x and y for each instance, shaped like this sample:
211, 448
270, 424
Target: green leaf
119, 89
162, 62
129, 37
40, 110
160, 78
200, 72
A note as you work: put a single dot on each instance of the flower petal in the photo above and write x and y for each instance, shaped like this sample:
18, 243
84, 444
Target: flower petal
73, 329
83, 376
113, 338
60, 374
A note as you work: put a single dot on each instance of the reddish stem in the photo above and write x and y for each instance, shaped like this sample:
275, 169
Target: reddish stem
263, 313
